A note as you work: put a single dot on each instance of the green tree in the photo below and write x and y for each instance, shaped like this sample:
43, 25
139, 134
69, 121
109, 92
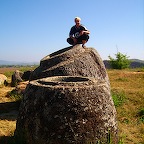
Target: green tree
121, 61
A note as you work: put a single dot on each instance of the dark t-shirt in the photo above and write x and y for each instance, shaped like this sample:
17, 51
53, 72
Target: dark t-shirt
76, 31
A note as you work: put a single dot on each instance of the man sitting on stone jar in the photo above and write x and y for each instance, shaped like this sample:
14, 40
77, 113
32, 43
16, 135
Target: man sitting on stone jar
78, 34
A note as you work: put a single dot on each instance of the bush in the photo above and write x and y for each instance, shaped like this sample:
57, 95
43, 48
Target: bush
141, 115
15, 95
121, 61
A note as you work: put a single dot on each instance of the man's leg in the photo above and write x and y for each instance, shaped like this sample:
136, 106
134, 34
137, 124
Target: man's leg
70, 41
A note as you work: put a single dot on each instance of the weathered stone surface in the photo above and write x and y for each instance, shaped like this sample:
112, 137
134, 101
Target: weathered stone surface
3, 79
72, 61
26, 75
67, 110
16, 78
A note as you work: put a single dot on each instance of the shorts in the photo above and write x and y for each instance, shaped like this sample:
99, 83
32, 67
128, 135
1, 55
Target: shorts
79, 39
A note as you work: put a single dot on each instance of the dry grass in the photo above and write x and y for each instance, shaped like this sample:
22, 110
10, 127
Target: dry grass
3, 92
7, 127
132, 85
8, 106
131, 128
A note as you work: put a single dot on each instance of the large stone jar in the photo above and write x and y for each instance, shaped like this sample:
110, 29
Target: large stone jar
67, 110
72, 61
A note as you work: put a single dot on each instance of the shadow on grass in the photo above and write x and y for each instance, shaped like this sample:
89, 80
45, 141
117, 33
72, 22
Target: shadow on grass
11, 140
9, 110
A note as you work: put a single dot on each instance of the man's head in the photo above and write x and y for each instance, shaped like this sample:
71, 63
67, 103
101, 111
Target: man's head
77, 20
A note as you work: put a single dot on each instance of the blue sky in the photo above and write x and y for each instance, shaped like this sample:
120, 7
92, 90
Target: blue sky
32, 29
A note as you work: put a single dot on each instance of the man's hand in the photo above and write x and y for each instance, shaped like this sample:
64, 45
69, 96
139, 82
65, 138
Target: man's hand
84, 32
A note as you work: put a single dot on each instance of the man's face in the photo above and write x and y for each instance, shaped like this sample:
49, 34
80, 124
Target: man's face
77, 21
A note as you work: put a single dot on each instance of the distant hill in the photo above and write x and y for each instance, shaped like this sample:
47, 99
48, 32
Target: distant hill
3, 62
135, 63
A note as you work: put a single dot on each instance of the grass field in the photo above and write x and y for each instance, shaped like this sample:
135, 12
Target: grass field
127, 87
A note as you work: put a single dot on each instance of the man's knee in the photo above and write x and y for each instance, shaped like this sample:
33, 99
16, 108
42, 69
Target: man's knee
86, 37
70, 41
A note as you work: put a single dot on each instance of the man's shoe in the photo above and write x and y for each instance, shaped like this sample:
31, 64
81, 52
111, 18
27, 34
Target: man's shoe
83, 46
